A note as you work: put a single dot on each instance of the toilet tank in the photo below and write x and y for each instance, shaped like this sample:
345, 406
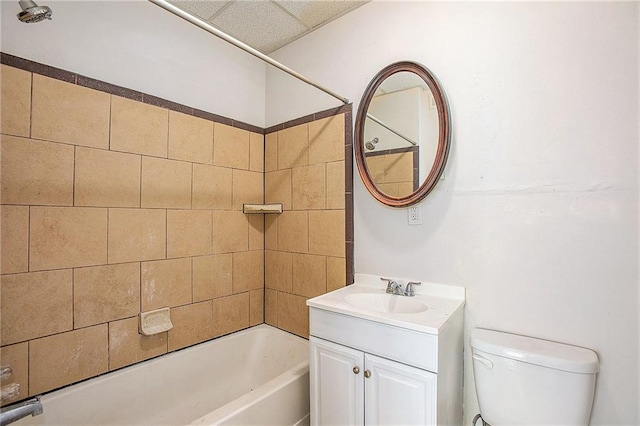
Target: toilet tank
525, 381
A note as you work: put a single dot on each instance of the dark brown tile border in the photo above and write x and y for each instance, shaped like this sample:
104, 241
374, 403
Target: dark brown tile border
311, 117
348, 196
112, 89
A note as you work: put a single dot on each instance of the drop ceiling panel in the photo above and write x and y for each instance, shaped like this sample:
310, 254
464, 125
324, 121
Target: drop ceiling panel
262, 25
267, 25
200, 8
315, 13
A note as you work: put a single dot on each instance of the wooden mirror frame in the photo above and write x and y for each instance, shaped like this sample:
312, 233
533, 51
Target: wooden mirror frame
443, 135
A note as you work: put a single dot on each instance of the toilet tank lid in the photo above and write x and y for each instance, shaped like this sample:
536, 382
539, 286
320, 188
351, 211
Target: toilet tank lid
535, 351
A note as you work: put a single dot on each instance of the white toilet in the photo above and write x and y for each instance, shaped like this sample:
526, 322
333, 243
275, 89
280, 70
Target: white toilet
526, 381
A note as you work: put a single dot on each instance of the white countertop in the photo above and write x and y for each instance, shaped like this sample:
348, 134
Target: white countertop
442, 300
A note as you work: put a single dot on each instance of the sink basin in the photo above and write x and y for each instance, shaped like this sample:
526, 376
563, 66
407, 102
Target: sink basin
385, 303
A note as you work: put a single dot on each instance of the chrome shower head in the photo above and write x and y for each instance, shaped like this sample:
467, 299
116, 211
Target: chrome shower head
371, 145
32, 13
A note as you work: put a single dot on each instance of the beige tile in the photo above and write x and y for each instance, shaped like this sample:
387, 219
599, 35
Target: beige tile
271, 152
212, 276
230, 231
17, 356
376, 165
400, 168
14, 239
389, 188
278, 188
165, 283
293, 231
165, 183
248, 271
66, 358
105, 293
336, 273
309, 187
326, 232
127, 346
65, 112
335, 185
293, 147
188, 233
271, 307
190, 138
36, 304
136, 234
191, 324
230, 314
405, 189
326, 139
63, 237
106, 178
309, 275
247, 188
293, 315
256, 231
256, 152
230, 147
279, 270
15, 101
256, 307
36, 172
138, 128
212, 187
271, 232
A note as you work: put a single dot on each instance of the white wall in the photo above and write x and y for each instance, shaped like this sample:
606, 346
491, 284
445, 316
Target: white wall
538, 212
138, 45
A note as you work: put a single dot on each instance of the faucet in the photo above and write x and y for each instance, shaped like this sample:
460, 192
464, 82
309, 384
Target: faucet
393, 287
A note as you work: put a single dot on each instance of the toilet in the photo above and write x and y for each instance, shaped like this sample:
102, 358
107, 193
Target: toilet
525, 381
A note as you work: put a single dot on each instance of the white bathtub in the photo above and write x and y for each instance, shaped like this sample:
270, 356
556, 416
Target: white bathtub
259, 376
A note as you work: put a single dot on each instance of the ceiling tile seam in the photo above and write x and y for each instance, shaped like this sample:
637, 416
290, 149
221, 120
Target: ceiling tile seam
291, 14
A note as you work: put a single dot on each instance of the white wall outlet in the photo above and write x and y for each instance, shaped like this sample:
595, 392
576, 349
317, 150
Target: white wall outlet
415, 215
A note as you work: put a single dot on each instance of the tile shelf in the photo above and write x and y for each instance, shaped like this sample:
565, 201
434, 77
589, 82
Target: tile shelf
274, 208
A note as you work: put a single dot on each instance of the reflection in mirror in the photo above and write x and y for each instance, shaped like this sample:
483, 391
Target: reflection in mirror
401, 134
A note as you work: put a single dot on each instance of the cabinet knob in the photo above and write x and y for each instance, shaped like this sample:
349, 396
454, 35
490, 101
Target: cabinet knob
367, 373
356, 370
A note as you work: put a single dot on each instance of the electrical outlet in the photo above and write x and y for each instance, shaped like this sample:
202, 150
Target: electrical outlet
414, 215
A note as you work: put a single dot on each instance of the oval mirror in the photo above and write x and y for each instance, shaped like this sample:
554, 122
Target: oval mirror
402, 134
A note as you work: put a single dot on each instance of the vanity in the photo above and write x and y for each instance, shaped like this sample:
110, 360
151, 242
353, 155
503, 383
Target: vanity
382, 358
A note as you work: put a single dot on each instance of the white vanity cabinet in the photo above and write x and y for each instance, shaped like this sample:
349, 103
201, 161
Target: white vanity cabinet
350, 387
385, 361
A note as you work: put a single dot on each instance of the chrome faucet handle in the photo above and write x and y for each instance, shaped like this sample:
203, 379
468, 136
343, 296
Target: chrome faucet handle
391, 284
409, 291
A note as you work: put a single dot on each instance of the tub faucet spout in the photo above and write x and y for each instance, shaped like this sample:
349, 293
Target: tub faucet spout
17, 411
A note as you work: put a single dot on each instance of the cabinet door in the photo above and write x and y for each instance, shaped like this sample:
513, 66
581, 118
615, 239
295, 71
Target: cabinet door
397, 394
337, 389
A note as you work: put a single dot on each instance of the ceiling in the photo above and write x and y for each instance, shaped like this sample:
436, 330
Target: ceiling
267, 25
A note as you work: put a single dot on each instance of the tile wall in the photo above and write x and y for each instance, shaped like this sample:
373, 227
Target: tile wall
115, 202
394, 173
110, 207
306, 246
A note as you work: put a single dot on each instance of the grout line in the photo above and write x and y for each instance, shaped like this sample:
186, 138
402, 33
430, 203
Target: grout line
31, 107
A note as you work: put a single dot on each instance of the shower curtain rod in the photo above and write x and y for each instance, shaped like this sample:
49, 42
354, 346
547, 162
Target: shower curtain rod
226, 37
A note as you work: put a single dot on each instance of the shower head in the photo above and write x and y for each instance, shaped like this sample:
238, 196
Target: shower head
371, 145
32, 13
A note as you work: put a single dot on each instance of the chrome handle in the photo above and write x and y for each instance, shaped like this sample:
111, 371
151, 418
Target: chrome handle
391, 284
409, 291
367, 373
356, 370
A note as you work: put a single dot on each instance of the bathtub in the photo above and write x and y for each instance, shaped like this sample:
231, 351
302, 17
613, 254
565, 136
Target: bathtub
258, 376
